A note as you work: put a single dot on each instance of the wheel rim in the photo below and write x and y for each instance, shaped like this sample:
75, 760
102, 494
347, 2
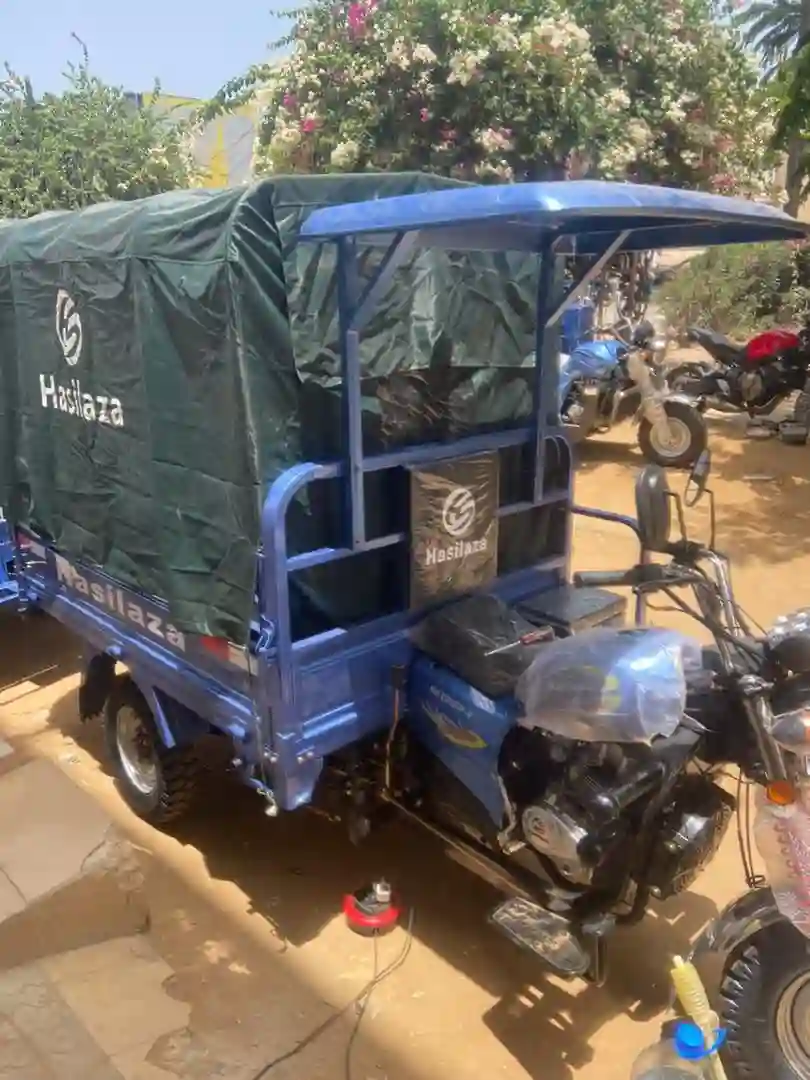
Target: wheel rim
672, 443
136, 750
793, 1024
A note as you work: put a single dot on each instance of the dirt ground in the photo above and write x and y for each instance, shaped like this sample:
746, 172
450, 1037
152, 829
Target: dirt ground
246, 911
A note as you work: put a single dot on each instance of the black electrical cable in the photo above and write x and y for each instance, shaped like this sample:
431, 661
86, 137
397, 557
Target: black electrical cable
359, 1002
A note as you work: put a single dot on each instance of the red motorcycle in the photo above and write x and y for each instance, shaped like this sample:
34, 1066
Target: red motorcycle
754, 378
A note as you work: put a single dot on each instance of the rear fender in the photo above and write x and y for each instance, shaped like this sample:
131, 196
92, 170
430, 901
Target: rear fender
683, 398
177, 725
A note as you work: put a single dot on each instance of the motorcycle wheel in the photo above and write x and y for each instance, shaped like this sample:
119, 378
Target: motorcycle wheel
765, 1006
687, 439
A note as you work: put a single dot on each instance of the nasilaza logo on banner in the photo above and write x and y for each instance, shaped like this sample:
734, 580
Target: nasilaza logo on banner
69, 397
458, 512
458, 517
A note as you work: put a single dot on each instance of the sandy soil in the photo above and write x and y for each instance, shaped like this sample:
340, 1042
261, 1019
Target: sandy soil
246, 910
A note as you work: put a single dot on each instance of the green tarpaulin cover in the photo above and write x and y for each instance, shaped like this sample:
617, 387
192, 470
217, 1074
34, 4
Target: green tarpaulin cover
162, 361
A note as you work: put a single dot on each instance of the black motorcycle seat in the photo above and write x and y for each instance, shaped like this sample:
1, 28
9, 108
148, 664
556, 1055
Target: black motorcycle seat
717, 345
479, 639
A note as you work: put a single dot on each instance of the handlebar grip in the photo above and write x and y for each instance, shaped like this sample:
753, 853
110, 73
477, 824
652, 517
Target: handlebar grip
601, 578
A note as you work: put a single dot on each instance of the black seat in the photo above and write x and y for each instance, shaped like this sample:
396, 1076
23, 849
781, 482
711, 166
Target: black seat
723, 349
469, 638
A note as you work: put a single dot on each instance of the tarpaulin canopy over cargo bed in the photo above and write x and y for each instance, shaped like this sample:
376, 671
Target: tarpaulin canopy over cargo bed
161, 362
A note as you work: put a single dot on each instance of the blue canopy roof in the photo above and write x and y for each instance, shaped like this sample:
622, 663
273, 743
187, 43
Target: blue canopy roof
590, 214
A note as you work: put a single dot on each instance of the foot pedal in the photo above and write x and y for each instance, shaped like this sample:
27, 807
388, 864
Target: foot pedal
793, 433
544, 933
759, 431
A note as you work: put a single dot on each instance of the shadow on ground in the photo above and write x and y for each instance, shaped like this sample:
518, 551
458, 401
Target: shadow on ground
762, 487
295, 870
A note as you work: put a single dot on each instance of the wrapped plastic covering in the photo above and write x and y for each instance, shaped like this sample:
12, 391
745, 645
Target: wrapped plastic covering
782, 836
626, 686
789, 640
797, 622
483, 641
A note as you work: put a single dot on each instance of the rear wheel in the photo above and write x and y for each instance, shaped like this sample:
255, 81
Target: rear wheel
157, 783
765, 1002
681, 443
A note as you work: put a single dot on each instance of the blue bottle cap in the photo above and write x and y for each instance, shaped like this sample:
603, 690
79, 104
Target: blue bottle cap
689, 1042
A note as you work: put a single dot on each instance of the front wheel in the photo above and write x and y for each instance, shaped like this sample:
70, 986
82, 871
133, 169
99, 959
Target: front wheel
683, 441
765, 1006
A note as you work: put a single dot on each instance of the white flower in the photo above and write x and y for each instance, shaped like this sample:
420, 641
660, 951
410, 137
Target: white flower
423, 54
500, 169
617, 100
492, 140
286, 137
638, 134
345, 154
504, 38
398, 55
464, 66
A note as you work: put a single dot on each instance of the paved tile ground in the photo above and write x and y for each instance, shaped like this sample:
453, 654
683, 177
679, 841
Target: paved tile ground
41, 1038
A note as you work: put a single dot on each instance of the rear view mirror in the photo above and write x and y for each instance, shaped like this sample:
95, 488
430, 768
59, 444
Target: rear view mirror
698, 478
653, 512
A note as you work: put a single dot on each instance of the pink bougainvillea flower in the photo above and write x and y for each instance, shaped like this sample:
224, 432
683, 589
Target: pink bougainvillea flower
309, 125
723, 182
290, 101
357, 14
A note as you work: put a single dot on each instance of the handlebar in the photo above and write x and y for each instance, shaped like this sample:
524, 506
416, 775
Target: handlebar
634, 577
584, 579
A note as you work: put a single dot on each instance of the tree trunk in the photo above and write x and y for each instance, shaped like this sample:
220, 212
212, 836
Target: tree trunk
794, 179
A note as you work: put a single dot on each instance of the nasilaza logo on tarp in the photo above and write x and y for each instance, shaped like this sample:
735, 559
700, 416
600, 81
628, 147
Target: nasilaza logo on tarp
70, 398
458, 517
68, 327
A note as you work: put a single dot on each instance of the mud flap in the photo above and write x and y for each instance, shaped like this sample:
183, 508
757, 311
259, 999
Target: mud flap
96, 685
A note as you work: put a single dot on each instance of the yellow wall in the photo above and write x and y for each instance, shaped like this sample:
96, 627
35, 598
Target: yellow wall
224, 148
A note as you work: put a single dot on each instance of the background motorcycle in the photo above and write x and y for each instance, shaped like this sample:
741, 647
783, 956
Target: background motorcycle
753, 378
748, 706
603, 382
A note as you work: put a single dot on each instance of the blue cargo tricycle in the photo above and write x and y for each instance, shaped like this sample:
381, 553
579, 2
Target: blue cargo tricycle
571, 760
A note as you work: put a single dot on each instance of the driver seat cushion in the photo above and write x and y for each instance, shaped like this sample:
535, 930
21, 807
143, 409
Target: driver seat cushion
719, 344
462, 637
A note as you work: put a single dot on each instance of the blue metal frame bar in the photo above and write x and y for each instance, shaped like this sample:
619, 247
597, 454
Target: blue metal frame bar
348, 286
592, 272
399, 250
354, 310
630, 523
543, 380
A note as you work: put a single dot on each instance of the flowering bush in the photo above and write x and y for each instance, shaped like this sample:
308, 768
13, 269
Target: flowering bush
646, 90
649, 90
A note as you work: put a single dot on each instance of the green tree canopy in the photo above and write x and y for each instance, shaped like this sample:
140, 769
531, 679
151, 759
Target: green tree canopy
651, 90
771, 28
88, 144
